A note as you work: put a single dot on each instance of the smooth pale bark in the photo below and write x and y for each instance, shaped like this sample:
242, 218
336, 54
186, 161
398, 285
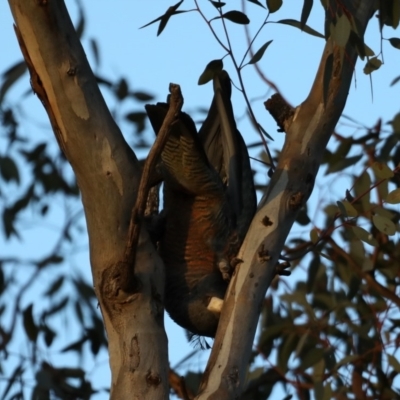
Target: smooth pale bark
108, 177
307, 134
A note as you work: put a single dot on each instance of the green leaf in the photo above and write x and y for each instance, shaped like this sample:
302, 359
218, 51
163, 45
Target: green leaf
8, 169
393, 197
314, 235
395, 122
343, 163
305, 12
260, 52
285, 350
210, 70
311, 358
297, 24
237, 17
382, 171
347, 360
312, 272
385, 225
372, 65
395, 42
274, 5
363, 235
349, 210
393, 362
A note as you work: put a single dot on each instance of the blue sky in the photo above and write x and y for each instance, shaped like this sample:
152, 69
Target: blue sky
179, 55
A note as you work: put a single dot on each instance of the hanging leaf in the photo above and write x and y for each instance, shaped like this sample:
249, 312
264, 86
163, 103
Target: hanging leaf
385, 225
142, 96
347, 209
211, 68
363, 235
8, 169
217, 4
256, 2
236, 16
393, 197
31, 329
395, 42
305, 12
314, 235
305, 28
382, 171
173, 10
95, 50
372, 65
11, 76
274, 5
260, 52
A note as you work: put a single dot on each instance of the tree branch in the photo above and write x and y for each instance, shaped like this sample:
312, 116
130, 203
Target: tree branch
175, 106
291, 185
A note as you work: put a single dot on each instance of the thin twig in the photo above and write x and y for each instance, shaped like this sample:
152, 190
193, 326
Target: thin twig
175, 106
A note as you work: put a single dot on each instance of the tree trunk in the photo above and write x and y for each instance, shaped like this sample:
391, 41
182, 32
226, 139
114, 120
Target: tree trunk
108, 176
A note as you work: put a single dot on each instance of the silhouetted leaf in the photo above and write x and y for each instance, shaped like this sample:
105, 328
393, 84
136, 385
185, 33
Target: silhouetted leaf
236, 16
49, 335
217, 4
173, 10
50, 260
142, 96
95, 50
30, 327
8, 169
305, 12
260, 52
274, 5
256, 2
210, 70
297, 24
55, 286
16, 375
11, 76
395, 42
121, 90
